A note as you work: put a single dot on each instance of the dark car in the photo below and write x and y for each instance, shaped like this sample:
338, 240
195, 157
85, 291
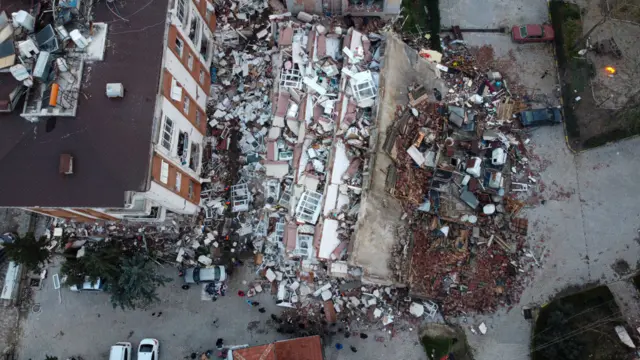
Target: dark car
532, 33
537, 117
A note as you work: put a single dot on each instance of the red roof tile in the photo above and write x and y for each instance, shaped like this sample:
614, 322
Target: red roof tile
307, 348
262, 352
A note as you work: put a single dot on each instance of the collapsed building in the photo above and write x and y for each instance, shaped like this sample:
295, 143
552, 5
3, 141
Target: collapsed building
296, 112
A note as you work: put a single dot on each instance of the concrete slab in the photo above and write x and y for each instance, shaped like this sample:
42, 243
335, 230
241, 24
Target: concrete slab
380, 212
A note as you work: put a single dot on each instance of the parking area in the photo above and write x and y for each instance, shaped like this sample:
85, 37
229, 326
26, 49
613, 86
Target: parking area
85, 324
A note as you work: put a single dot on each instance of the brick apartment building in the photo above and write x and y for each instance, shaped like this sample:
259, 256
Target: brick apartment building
69, 150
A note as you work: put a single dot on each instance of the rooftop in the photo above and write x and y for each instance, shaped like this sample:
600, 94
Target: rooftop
109, 139
306, 348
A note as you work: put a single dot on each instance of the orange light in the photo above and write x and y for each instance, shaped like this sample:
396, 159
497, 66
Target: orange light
611, 70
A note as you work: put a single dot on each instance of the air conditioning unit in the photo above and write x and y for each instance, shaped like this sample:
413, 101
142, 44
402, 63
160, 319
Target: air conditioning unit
115, 90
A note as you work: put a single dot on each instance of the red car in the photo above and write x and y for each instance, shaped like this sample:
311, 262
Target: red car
532, 33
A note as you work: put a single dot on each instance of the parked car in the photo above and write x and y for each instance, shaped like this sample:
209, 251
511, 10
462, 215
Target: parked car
148, 349
120, 351
532, 33
537, 117
89, 285
197, 274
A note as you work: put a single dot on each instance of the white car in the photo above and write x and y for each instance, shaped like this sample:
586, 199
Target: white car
148, 349
120, 351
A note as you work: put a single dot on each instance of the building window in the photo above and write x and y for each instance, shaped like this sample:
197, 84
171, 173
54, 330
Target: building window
167, 134
202, 74
186, 104
179, 47
194, 159
194, 29
180, 10
183, 146
197, 118
164, 172
190, 61
204, 47
208, 14
191, 191
308, 208
178, 181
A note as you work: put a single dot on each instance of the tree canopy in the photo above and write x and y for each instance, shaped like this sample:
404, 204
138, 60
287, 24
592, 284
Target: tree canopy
28, 251
130, 277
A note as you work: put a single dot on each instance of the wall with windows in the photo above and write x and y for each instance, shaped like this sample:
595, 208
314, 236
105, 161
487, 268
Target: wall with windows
195, 22
179, 141
179, 183
182, 61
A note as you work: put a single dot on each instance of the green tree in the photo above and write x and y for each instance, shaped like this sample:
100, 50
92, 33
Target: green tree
136, 286
29, 251
101, 260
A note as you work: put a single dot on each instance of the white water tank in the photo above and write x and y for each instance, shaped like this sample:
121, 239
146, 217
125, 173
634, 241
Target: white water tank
115, 90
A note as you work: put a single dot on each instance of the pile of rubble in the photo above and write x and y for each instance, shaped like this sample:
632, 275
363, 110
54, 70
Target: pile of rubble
292, 126
461, 171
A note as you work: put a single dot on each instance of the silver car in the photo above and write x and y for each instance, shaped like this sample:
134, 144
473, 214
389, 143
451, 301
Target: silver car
196, 275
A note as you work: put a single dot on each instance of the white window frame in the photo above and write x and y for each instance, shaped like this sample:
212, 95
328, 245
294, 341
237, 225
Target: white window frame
198, 116
179, 48
307, 240
181, 4
308, 208
204, 39
168, 129
176, 90
186, 104
191, 189
191, 155
178, 180
198, 29
164, 172
202, 74
190, 61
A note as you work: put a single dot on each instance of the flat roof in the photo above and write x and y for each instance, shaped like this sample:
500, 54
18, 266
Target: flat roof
109, 139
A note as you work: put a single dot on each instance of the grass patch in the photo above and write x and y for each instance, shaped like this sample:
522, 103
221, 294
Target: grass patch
567, 25
590, 316
437, 347
418, 22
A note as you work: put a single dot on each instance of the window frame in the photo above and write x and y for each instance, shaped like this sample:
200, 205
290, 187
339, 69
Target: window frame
180, 3
190, 61
170, 132
202, 76
178, 181
186, 104
164, 172
179, 49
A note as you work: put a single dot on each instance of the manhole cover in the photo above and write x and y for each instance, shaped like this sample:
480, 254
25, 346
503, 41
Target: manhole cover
36, 308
